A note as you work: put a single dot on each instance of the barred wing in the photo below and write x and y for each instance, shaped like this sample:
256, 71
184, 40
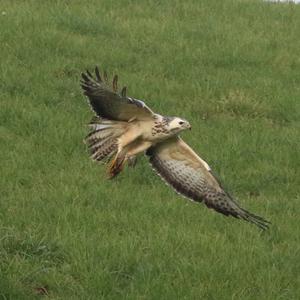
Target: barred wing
108, 103
190, 176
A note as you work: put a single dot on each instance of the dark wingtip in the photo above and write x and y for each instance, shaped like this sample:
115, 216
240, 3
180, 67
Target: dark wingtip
105, 76
123, 92
84, 77
115, 83
97, 72
258, 221
89, 73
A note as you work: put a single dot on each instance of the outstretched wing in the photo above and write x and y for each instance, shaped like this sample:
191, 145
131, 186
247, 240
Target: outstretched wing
190, 176
108, 103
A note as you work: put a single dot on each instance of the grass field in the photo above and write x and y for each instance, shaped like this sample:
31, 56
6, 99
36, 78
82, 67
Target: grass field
232, 68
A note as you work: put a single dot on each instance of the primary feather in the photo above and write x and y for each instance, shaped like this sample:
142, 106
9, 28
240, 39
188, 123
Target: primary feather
108, 103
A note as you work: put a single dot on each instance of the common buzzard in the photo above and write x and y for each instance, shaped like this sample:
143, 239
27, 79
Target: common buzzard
124, 127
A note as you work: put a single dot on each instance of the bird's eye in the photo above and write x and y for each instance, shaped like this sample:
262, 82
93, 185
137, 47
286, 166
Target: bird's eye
181, 122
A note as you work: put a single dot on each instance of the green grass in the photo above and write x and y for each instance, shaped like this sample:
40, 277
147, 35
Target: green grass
231, 68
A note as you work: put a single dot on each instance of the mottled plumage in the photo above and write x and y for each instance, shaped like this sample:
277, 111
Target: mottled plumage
125, 127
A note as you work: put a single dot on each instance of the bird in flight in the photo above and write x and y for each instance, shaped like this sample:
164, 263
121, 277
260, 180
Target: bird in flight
123, 127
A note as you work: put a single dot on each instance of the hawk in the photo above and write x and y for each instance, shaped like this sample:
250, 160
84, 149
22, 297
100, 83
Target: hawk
123, 127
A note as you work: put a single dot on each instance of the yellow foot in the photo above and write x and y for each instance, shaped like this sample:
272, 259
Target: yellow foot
116, 166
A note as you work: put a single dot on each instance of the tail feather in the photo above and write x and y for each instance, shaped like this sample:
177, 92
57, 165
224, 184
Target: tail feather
101, 144
106, 150
103, 139
96, 137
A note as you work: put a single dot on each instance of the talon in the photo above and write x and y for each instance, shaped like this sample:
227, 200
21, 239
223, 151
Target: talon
116, 166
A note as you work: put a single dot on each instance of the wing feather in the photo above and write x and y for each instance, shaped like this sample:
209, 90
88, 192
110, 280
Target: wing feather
107, 103
191, 176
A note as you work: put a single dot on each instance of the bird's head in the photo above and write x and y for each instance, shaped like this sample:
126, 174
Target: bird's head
177, 124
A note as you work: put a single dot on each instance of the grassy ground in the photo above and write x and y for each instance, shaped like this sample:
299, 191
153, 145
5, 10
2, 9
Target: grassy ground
231, 68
